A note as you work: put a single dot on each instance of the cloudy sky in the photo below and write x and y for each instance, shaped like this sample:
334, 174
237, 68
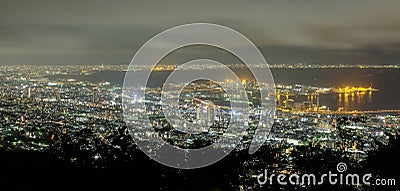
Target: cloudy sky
91, 32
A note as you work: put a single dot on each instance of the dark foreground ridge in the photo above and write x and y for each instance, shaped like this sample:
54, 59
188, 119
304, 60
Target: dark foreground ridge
29, 170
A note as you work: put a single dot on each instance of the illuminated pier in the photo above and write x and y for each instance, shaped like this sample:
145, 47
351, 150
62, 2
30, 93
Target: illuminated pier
355, 89
354, 111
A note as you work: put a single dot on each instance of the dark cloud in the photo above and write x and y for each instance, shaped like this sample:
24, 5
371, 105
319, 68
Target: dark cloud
90, 32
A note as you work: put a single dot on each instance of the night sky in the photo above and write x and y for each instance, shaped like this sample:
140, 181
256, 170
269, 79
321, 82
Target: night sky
91, 32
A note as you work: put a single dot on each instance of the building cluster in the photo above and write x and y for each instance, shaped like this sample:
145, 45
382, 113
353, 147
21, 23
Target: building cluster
82, 122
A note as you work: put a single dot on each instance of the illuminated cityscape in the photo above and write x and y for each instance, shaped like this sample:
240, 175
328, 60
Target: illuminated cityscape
245, 95
80, 122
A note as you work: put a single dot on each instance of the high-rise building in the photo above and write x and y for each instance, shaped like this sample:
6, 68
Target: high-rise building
198, 113
95, 95
29, 92
210, 115
58, 97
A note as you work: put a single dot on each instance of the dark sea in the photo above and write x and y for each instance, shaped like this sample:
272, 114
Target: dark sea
386, 80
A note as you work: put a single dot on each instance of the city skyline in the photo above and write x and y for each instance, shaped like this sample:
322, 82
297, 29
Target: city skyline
74, 115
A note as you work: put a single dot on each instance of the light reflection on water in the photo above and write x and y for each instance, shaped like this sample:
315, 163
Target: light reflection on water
353, 101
